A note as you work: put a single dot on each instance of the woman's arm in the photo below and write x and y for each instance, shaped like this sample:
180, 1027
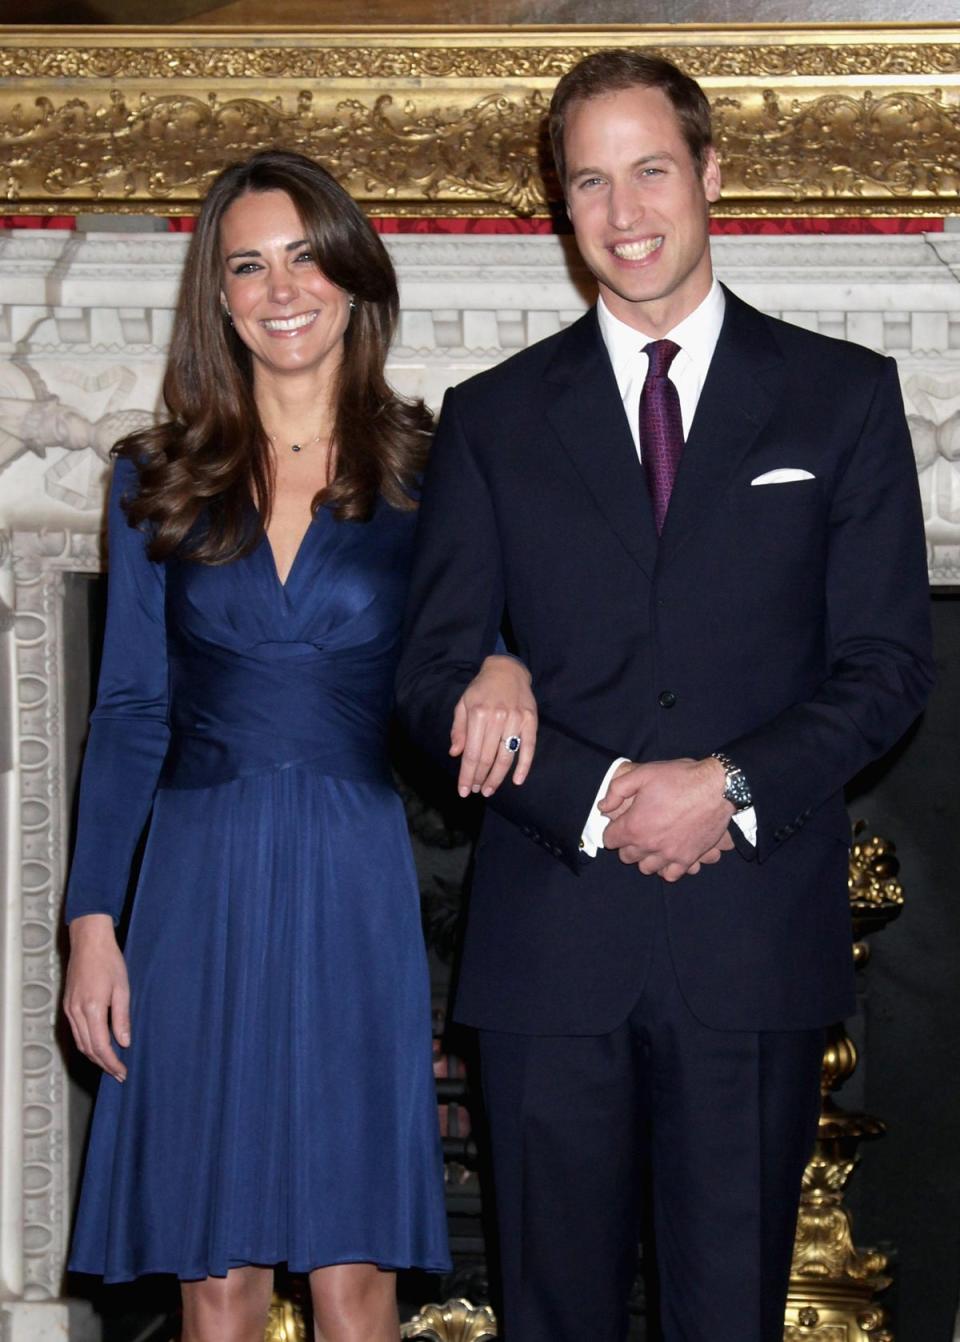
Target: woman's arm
125, 750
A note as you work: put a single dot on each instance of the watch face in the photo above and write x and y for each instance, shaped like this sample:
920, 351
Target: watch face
737, 790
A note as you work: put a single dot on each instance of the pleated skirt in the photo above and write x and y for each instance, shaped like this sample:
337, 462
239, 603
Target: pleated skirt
279, 1105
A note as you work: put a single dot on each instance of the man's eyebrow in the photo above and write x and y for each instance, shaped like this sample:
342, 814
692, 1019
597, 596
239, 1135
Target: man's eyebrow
290, 247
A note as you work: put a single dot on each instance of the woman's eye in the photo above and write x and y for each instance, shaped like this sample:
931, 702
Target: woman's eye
245, 268
305, 256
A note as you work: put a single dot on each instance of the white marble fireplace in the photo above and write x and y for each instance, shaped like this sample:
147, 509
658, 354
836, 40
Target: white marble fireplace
84, 322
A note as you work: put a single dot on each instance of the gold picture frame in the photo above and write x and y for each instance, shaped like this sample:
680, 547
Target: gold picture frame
811, 120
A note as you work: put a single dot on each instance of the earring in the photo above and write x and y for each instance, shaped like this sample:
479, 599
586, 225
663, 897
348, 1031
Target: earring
228, 314
353, 305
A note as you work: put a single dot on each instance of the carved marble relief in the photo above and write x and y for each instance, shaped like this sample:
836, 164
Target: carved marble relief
81, 364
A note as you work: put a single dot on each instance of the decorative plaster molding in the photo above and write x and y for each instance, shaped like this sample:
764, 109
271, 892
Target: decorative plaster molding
423, 120
39, 563
80, 364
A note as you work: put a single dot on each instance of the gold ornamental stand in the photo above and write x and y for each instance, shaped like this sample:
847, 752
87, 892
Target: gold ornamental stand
833, 1284
455, 1321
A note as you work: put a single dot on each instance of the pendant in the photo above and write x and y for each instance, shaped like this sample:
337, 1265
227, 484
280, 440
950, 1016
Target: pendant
294, 447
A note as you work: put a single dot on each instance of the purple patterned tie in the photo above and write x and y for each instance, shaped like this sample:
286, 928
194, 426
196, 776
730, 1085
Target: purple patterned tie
661, 427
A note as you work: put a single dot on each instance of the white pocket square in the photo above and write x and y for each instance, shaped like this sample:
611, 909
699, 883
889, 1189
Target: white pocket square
783, 475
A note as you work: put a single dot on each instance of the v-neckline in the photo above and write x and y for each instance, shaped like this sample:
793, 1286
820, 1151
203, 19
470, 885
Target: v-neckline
284, 583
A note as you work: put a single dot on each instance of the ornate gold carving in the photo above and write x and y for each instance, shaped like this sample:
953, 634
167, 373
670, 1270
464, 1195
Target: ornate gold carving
873, 874
285, 1322
400, 61
824, 1244
455, 1321
832, 1282
902, 145
418, 121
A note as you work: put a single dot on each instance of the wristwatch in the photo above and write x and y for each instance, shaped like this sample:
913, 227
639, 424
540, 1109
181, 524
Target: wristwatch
736, 789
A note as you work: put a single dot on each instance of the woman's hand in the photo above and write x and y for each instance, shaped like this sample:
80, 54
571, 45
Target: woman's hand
497, 704
97, 993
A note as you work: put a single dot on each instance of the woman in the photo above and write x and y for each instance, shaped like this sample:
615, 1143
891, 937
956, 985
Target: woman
270, 1096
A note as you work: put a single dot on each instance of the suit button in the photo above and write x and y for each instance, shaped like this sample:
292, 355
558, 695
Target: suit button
666, 698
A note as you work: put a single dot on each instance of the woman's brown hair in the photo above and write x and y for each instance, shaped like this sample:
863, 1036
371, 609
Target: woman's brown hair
201, 469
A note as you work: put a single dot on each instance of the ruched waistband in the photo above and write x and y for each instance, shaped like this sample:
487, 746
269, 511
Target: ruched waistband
237, 714
202, 761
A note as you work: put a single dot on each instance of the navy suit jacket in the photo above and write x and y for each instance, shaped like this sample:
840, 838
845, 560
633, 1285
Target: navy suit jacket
787, 625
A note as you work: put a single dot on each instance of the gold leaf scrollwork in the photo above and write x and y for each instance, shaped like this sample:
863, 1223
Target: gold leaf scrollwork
175, 144
488, 150
901, 144
310, 59
285, 1322
824, 1244
455, 1321
414, 122
874, 867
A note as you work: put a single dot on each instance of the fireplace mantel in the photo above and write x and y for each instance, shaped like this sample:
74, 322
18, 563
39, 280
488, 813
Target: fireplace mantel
85, 319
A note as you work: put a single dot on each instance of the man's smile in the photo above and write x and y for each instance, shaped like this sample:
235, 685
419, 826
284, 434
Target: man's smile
637, 251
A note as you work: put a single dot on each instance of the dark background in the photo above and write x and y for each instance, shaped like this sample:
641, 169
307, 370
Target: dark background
905, 1196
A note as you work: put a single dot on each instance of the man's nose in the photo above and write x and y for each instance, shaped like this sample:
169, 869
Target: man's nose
624, 207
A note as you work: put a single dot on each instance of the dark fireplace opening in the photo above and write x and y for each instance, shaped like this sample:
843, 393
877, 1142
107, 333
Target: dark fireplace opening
905, 1197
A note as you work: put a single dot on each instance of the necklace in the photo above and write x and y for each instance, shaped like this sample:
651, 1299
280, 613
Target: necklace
297, 447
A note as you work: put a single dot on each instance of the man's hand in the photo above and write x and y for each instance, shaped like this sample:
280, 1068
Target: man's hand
668, 818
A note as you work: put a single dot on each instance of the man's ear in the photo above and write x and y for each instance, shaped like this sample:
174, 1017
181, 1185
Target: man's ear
712, 181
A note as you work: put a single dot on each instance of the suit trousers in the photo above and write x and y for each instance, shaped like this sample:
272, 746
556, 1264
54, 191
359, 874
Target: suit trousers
716, 1124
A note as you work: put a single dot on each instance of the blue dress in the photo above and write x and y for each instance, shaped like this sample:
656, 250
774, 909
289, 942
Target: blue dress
279, 1104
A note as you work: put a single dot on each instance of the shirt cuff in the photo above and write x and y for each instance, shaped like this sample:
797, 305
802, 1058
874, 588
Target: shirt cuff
591, 840
746, 823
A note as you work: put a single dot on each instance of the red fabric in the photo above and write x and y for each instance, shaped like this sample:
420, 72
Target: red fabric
38, 221
726, 226
185, 224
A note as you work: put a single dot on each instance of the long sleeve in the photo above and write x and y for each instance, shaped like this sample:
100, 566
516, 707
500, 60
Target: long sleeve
455, 608
129, 734
879, 638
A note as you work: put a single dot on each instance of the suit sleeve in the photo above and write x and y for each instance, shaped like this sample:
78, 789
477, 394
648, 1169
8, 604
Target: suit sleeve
129, 734
454, 613
878, 634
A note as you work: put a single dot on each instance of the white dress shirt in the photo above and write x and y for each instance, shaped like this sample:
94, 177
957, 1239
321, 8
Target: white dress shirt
697, 337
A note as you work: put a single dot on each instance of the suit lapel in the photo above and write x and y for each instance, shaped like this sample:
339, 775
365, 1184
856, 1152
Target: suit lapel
740, 393
586, 413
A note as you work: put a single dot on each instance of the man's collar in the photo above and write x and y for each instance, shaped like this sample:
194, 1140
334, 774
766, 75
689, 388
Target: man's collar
697, 334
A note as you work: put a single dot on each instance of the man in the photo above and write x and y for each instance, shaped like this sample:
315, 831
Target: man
702, 527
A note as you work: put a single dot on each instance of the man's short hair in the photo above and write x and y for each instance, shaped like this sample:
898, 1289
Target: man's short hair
621, 68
